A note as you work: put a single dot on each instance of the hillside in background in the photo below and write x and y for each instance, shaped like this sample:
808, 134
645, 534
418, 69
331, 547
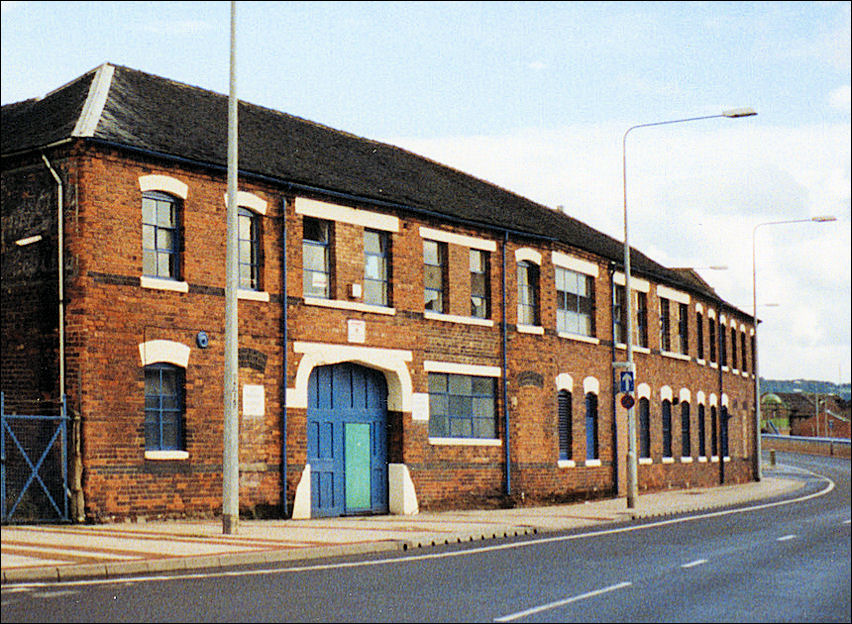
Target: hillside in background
805, 385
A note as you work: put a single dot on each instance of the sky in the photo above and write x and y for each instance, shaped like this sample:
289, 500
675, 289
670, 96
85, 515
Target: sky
537, 98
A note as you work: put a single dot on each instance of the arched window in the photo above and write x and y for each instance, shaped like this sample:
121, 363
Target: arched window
164, 407
592, 451
714, 449
724, 431
702, 435
667, 428
644, 427
565, 425
685, 443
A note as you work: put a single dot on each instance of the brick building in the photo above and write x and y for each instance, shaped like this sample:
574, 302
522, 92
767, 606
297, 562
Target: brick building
411, 337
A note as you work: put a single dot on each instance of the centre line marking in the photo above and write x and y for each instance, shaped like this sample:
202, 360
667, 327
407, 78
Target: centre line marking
560, 603
786, 538
692, 564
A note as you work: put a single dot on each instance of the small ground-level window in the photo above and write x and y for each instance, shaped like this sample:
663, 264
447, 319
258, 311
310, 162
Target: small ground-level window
644, 428
164, 407
462, 406
667, 428
565, 425
592, 451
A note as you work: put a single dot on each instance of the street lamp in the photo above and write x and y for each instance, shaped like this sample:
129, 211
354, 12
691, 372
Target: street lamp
632, 463
758, 462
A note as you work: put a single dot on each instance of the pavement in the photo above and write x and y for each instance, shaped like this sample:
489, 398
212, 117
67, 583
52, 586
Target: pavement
43, 553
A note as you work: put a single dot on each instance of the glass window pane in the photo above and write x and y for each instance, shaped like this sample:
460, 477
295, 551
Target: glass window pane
373, 267
149, 263
373, 242
460, 384
315, 230
437, 383
164, 264
314, 257
482, 386
165, 214
165, 239
148, 236
432, 275
431, 252
149, 210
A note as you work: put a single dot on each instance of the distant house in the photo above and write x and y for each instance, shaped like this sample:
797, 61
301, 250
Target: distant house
411, 337
805, 414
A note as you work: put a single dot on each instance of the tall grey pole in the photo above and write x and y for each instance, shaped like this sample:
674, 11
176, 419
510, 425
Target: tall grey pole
231, 434
632, 461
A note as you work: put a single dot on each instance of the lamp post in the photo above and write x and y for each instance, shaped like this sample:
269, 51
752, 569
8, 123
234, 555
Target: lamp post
632, 463
758, 462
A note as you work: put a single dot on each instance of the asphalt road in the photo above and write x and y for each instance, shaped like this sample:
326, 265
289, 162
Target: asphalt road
772, 561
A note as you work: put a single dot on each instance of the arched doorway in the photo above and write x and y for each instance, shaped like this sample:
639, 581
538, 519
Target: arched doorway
347, 440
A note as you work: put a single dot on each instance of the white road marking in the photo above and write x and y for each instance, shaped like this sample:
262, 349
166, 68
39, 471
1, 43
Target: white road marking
786, 538
460, 553
692, 564
561, 603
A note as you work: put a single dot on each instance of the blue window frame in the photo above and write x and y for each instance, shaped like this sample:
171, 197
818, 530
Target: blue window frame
160, 236
249, 245
527, 293
376, 268
724, 431
575, 303
644, 428
592, 451
479, 291
316, 258
462, 406
667, 428
164, 407
565, 425
434, 267
685, 441
702, 433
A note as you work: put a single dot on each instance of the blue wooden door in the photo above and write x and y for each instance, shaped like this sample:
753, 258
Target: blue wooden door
347, 440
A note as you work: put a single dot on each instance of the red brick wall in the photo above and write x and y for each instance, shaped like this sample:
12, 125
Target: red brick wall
109, 315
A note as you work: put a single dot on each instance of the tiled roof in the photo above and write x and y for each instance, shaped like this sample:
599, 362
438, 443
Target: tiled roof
157, 115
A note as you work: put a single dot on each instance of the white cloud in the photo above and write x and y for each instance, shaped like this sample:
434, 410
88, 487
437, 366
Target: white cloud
694, 197
841, 98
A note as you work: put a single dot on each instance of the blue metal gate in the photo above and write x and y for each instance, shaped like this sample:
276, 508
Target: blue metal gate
347, 440
34, 479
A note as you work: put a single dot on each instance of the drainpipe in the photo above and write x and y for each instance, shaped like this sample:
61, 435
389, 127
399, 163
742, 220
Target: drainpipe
506, 374
284, 333
613, 383
76, 493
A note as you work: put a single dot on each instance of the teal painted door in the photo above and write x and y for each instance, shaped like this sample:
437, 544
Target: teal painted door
347, 440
